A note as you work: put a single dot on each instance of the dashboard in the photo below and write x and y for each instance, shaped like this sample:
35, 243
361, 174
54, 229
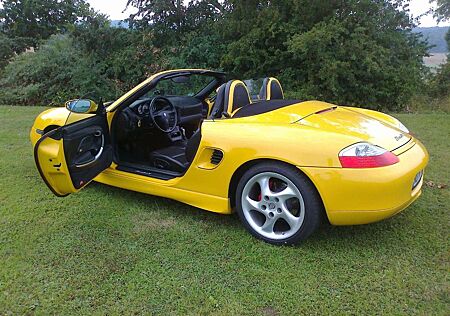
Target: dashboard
135, 119
189, 109
143, 108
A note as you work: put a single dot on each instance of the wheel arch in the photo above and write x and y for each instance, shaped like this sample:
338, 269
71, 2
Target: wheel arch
239, 172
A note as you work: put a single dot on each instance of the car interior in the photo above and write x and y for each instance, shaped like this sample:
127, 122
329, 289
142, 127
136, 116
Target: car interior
158, 133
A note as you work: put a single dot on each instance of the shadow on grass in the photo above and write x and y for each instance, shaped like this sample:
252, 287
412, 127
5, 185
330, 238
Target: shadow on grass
361, 236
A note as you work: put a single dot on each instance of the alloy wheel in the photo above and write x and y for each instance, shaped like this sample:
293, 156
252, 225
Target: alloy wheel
273, 206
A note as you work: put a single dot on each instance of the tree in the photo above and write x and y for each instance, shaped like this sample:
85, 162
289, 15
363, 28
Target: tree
184, 35
171, 20
30, 21
440, 84
6, 50
353, 52
356, 52
199, 50
442, 11
127, 56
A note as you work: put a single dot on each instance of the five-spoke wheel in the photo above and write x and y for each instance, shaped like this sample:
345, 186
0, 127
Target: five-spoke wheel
278, 204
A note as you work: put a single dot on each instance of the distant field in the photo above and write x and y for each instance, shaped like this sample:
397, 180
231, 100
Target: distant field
435, 60
107, 251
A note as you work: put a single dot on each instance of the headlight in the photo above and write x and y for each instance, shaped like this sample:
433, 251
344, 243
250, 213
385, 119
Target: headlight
366, 155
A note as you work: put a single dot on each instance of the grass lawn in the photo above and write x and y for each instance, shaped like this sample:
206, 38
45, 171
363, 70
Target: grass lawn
111, 251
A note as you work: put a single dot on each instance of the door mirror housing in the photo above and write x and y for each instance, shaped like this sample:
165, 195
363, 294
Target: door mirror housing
82, 106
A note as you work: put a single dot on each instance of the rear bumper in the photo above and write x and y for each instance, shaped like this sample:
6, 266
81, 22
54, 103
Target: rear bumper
342, 218
362, 196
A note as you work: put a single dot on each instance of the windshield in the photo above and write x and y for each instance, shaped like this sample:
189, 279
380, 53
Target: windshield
254, 87
181, 85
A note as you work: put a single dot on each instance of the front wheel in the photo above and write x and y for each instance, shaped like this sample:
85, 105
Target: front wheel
278, 204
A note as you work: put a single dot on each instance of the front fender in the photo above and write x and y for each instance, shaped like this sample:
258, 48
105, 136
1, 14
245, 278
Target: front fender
51, 117
54, 117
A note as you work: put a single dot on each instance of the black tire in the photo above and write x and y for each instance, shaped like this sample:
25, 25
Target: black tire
313, 206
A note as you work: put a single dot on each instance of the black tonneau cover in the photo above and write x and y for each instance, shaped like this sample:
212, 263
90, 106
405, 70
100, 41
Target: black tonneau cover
263, 107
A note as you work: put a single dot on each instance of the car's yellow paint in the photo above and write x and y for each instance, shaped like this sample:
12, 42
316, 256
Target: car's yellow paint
209, 104
368, 195
54, 117
53, 167
343, 121
294, 135
383, 117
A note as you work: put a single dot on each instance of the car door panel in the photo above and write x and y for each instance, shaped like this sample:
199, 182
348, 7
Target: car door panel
69, 157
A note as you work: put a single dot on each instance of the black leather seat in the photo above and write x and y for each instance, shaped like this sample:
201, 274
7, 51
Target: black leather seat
177, 157
230, 97
271, 90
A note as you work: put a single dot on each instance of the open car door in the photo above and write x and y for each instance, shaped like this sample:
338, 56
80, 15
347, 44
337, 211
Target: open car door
69, 157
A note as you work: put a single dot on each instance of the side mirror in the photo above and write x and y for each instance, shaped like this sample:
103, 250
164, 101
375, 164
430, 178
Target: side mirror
83, 106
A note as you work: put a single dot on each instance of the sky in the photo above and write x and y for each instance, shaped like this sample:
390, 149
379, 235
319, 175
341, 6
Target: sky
114, 8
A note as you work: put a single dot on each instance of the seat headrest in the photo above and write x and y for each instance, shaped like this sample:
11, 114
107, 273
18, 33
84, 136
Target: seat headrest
236, 94
230, 97
271, 90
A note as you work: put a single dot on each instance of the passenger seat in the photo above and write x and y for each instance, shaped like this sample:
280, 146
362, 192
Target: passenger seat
230, 97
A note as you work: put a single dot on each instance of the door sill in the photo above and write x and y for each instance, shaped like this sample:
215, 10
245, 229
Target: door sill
148, 171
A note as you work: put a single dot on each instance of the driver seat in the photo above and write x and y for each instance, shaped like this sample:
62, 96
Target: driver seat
271, 89
177, 157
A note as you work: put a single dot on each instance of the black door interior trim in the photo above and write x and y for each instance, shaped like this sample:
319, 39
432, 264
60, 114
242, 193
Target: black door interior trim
148, 171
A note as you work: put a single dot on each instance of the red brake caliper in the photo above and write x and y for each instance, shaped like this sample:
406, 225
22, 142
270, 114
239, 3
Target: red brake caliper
271, 185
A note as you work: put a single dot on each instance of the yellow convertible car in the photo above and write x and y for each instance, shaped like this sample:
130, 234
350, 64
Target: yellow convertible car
282, 165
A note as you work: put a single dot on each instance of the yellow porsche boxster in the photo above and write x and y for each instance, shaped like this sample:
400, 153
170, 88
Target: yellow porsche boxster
282, 165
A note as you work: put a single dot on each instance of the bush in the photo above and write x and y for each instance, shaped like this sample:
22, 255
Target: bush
56, 72
351, 65
355, 52
126, 57
440, 83
434, 96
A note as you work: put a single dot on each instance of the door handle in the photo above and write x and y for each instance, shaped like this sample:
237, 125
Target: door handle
97, 156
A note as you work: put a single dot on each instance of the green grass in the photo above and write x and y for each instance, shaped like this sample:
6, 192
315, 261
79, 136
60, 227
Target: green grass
111, 251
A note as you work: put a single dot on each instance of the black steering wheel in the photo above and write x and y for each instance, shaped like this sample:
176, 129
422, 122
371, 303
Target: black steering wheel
163, 114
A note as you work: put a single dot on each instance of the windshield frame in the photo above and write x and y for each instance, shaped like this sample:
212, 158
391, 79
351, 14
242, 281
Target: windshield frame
136, 93
195, 91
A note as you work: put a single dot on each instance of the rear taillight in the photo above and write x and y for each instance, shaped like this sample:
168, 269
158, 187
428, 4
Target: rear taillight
365, 155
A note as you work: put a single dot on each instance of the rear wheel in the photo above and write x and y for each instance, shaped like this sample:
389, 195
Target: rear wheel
278, 204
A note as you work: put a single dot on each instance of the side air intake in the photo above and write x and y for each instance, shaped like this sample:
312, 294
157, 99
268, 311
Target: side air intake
216, 157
